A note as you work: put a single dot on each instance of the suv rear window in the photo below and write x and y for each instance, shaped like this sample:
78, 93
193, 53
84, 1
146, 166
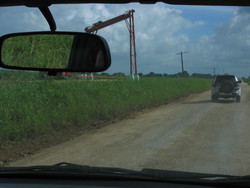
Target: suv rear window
220, 79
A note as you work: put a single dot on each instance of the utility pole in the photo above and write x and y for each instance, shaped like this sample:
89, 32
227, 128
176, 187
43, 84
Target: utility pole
182, 66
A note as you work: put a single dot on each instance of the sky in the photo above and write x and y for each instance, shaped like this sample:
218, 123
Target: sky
213, 37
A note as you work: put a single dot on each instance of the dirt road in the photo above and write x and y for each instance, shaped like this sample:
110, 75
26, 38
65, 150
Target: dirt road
192, 135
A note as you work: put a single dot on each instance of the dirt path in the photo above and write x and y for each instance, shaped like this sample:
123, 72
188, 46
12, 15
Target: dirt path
194, 135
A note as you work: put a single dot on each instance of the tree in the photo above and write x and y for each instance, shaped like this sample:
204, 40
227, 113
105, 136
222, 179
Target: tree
165, 75
104, 74
198, 75
184, 74
151, 74
119, 74
140, 74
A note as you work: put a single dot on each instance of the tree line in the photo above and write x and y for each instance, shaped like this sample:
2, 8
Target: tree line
29, 75
153, 74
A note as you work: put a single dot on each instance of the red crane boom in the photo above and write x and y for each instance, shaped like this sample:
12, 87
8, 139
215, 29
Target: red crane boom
129, 19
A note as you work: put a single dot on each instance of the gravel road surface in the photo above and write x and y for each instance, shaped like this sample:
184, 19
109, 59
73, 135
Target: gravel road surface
194, 135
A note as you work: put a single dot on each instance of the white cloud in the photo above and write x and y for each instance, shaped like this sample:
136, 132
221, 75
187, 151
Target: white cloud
230, 45
198, 23
72, 14
33, 19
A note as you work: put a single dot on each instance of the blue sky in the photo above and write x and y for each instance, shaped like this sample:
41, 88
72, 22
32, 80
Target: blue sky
214, 37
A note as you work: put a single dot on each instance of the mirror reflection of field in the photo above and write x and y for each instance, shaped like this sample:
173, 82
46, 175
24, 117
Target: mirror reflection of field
37, 50
33, 107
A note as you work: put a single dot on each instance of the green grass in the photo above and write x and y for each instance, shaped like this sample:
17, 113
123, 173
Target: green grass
32, 108
13, 75
247, 81
23, 51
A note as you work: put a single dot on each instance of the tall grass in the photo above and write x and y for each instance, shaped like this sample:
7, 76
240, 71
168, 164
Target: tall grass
13, 75
247, 81
29, 109
39, 51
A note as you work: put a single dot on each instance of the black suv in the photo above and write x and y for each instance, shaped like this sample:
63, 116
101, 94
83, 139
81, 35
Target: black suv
226, 86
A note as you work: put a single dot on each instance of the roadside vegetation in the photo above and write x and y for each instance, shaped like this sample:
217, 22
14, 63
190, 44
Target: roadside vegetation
247, 80
34, 107
25, 50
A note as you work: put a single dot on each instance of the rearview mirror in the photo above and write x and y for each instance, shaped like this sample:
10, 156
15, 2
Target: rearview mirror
55, 51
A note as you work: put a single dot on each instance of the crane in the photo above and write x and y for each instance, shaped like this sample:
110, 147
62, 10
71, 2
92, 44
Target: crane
128, 16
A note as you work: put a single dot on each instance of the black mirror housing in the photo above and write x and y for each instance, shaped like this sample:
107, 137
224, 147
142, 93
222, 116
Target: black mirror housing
55, 52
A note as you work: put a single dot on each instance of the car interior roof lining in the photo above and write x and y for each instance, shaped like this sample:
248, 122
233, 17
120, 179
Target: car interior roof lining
46, 3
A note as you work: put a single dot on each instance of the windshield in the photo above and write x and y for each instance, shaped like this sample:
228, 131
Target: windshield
153, 108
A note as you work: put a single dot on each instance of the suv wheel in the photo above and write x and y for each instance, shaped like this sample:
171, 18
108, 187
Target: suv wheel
238, 99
